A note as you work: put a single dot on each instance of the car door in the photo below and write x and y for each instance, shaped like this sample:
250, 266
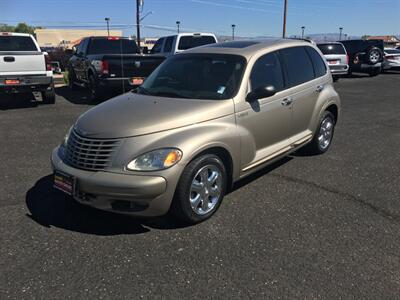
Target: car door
79, 66
303, 87
264, 124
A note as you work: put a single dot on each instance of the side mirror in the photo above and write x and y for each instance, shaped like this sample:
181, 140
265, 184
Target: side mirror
260, 93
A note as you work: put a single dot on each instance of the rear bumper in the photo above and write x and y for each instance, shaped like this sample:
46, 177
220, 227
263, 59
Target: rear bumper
339, 69
26, 83
136, 195
116, 84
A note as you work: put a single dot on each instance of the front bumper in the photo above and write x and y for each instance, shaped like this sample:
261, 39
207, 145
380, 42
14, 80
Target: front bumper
137, 195
27, 83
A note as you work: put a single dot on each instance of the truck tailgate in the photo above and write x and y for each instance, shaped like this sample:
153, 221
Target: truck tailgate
132, 65
16, 63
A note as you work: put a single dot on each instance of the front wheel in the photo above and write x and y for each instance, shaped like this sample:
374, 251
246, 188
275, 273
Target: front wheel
93, 89
323, 136
200, 190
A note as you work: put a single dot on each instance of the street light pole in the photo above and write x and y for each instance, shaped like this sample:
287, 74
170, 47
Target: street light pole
233, 31
340, 34
138, 4
108, 25
284, 19
302, 31
178, 23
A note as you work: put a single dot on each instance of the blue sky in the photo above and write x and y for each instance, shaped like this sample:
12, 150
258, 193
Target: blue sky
252, 17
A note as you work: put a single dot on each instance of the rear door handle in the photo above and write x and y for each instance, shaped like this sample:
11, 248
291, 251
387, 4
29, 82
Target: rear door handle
287, 101
319, 88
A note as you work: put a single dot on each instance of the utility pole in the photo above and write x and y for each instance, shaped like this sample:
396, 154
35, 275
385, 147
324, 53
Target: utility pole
340, 34
138, 4
108, 25
233, 31
302, 31
284, 19
178, 23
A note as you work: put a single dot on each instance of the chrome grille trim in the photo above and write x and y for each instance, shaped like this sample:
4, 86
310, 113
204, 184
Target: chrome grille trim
89, 154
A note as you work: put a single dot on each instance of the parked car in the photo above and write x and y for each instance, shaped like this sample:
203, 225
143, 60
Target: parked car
391, 59
102, 64
173, 44
23, 67
337, 58
365, 56
203, 120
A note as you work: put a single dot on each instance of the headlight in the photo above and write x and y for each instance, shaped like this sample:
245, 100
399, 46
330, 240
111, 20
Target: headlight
66, 137
156, 160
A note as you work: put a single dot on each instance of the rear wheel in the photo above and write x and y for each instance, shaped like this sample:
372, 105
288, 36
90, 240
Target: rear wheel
374, 72
335, 78
93, 89
71, 79
323, 137
373, 56
201, 189
49, 95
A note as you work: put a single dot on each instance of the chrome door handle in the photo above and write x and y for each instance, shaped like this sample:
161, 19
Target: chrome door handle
287, 101
319, 88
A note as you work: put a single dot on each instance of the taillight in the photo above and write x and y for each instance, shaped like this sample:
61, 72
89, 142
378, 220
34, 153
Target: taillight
104, 67
347, 59
47, 62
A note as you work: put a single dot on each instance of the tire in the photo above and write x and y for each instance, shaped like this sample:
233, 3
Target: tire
374, 72
195, 185
324, 132
335, 78
373, 56
95, 94
71, 79
49, 96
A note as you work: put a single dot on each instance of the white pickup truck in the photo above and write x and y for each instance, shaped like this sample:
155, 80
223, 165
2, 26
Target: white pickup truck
24, 68
170, 45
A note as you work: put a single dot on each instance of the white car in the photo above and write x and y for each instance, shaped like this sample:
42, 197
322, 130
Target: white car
24, 68
391, 59
337, 58
170, 45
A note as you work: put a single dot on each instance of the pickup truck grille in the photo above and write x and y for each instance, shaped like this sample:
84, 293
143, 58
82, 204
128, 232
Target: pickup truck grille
89, 154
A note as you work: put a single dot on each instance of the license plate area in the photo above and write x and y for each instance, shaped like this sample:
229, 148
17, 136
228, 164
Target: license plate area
64, 182
333, 62
136, 80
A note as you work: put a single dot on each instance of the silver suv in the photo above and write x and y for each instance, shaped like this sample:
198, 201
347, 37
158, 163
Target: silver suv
337, 58
201, 121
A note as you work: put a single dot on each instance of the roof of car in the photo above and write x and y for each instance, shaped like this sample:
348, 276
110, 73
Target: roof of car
14, 34
248, 48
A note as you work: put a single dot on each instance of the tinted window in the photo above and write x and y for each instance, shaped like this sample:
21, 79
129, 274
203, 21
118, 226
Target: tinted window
331, 49
85, 43
17, 43
318, 62
267, 71
112, 46
168, 44
196, 76
298, 65
158, 46
187, 42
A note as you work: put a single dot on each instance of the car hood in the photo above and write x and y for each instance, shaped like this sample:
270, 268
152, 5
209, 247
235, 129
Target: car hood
132, 114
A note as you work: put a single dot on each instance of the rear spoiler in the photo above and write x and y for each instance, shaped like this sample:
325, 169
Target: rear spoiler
305, 40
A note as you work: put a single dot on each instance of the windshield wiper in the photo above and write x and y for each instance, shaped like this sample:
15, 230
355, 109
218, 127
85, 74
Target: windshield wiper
169, 94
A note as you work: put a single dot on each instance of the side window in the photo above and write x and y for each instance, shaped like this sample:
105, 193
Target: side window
168, 44
84, 46
79, 48
318, 62
298, 65
267, 71
158, 46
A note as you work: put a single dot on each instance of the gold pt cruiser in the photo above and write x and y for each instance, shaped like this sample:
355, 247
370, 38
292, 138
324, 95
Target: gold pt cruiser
200, 122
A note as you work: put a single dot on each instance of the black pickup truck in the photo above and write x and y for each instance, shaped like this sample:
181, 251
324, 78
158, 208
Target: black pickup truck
103, 64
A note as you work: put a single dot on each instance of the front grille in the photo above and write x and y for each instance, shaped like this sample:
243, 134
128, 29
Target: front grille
89, 154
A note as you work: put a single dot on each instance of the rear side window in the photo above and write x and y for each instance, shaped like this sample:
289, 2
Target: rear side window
327, 49
168, 44
318, 62
112, 46
267, 71
187, 42
157, 46
17, 43
298, 65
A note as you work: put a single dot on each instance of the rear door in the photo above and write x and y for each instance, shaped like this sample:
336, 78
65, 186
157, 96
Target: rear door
20, 54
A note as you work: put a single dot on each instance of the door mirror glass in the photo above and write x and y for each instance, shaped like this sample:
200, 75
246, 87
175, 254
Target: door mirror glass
260, 93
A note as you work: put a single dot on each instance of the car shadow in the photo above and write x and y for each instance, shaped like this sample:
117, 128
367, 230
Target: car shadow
78, 96
15, 101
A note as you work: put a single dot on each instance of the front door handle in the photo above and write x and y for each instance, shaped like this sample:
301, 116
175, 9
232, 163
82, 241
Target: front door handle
319, 88
287, 101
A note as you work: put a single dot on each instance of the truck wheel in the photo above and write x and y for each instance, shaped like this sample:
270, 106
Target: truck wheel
374, 72
335, 78
71, 79
373, 56
323, 136
93, 90
49, 96
200, 190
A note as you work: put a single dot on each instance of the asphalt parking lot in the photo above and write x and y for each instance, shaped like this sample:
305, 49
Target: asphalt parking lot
307, 227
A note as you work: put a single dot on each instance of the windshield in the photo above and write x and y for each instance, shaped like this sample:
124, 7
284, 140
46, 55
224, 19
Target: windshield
112, 46
331, 49
196, 76
187, 42
17, 43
